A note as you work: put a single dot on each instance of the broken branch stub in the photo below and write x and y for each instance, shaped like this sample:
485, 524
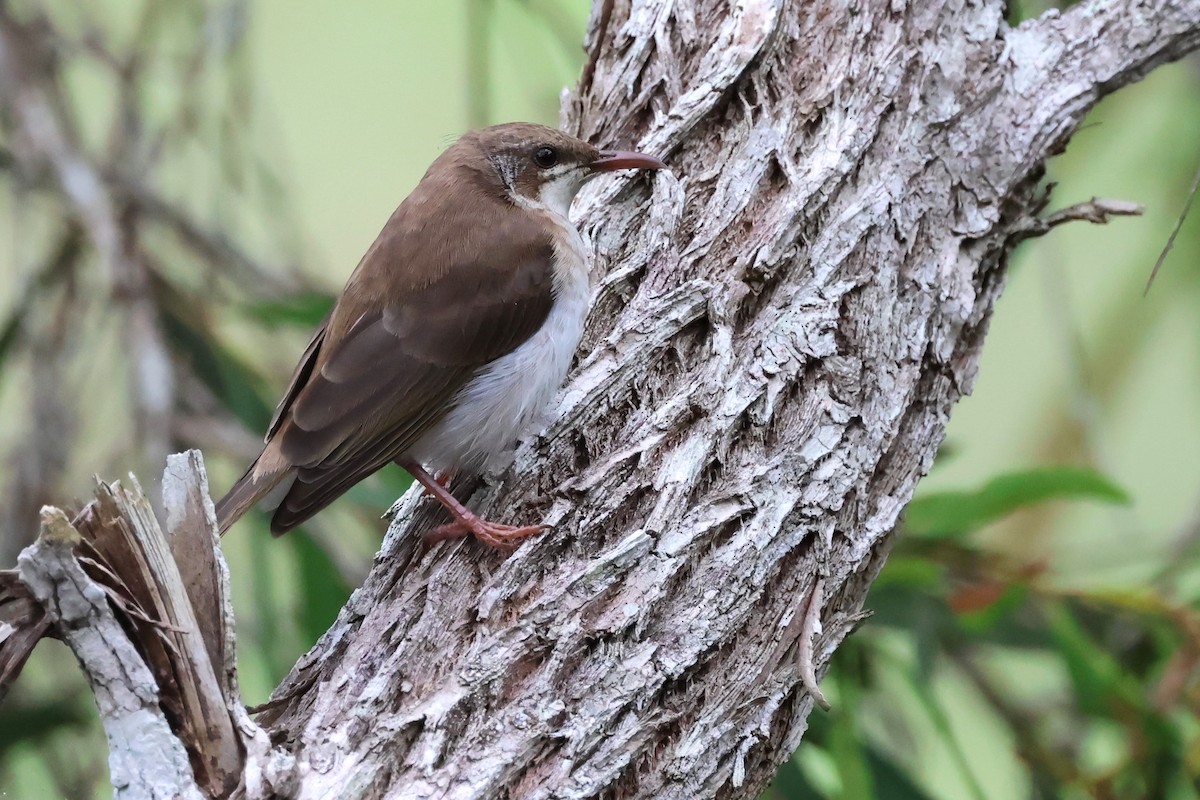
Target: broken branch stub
151, 623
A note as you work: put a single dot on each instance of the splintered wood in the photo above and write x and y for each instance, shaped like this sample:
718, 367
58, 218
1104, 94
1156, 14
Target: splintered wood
149, 619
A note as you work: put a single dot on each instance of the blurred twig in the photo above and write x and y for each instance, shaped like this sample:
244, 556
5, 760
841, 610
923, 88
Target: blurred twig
100, 245
49, 133
110, 199
479, 97
215, 247
52, 338
1162, 256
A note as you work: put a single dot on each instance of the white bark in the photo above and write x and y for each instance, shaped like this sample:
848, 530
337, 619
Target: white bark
151, 623
146, 760
780, 329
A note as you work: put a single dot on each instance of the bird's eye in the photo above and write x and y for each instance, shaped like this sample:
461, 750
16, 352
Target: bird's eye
545, 156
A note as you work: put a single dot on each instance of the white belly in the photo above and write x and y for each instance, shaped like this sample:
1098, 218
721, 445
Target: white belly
506, 398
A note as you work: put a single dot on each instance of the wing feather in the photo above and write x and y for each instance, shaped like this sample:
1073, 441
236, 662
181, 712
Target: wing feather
300, 376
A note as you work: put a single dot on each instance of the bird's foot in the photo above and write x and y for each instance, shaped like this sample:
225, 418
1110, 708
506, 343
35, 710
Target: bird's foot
493, 534
503, 537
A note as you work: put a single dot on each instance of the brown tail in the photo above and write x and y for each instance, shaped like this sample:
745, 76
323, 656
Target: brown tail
256, 484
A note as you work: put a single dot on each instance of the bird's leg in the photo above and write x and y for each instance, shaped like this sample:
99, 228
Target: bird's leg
443, 478
495, 534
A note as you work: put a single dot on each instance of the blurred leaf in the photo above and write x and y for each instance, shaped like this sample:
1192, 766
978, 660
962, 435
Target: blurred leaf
1102, 687
273, 645
225, 375
845, 741
933, 628
986, 617
303, 310
790, 784
910, 571
1139, 600
955, 513
9, 331
29, 723
322, 590
891, 782
923, 689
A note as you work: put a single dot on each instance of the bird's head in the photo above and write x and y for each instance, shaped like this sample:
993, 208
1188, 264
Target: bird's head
544, 168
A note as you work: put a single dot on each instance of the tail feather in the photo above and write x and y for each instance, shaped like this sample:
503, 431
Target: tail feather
256, 484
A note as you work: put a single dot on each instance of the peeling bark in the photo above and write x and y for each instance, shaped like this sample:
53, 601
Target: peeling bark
150, 619
780, 328
146, 760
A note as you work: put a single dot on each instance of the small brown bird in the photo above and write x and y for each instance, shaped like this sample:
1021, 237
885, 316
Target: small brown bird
452, 334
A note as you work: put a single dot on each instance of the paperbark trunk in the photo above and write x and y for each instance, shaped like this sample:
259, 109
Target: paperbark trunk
780, 328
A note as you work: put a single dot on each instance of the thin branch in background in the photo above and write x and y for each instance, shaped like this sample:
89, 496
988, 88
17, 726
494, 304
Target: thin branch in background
113, 196
1084, 404
479, 93
1075, 430
51, 134
217, 249
63, 257
1187, 206
101, 248
1098, 211
37, 463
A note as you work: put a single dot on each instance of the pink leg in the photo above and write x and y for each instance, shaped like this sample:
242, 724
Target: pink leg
443, 479
504, 537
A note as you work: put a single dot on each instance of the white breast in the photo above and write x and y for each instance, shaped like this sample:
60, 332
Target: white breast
507, 396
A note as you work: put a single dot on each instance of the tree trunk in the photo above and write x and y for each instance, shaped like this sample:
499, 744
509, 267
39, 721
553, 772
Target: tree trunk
780, 328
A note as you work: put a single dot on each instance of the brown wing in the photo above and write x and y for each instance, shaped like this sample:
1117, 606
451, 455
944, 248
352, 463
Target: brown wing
300, 376
370, 395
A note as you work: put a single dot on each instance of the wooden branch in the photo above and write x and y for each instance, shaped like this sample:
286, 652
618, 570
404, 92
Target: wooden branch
146, 760
151, 622
23, 623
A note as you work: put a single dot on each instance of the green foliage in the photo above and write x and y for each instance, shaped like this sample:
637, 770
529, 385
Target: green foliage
304, 310
957, 513
325, 591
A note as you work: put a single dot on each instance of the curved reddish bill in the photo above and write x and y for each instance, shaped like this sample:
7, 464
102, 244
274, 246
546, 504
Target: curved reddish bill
610, 160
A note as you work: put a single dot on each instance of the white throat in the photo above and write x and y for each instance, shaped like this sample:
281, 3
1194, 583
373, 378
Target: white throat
555, 194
